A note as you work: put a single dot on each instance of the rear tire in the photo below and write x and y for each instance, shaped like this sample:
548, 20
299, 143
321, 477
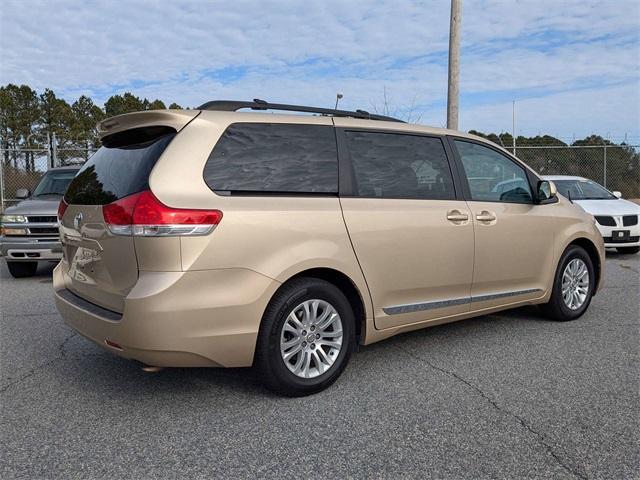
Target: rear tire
628, 250
564, 306
22, 269
286, 331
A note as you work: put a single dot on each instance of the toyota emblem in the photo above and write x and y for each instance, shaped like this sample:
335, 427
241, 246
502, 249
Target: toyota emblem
77, 221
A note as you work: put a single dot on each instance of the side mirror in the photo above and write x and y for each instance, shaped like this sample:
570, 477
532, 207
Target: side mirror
617, 194
22, 193
546, 191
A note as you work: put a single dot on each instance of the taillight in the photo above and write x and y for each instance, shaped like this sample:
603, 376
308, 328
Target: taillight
62, 207
142, 214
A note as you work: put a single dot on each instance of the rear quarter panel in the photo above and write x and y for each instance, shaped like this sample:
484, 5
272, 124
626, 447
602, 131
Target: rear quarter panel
275, 236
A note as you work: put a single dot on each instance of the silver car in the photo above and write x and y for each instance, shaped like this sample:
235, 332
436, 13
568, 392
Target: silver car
30, 228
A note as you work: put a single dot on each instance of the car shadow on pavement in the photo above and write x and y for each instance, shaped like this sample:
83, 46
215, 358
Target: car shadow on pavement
623, 256
45, 271
111, 375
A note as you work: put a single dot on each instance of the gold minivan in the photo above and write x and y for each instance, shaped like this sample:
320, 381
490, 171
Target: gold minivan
215, 238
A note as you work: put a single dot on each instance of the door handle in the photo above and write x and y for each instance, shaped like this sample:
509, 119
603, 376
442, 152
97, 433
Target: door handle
485, 216
457, 216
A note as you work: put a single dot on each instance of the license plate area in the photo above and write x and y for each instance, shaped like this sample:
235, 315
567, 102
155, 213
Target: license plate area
620, 235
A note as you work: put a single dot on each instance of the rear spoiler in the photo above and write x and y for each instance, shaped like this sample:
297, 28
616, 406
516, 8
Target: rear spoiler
176, 119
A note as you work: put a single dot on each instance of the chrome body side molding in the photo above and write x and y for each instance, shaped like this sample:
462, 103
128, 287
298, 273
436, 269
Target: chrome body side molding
417, 307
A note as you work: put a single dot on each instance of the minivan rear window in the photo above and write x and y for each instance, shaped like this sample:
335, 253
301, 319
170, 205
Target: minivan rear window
117, 169
274, 158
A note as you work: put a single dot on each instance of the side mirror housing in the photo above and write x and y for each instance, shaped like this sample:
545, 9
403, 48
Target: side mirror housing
617, 194
547, 192
22, 193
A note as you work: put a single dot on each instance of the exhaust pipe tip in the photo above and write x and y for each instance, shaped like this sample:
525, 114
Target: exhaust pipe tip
151, 369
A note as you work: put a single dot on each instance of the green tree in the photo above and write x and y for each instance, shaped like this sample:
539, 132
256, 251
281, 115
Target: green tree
126, 103
19, 114
592, 140
156, 105
175, 106
86, 116
56, 117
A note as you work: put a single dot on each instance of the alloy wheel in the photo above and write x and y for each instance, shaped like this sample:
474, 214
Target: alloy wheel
311, 338
575, 284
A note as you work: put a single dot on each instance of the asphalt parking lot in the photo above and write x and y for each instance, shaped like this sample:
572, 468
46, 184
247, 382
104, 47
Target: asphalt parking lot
503, 396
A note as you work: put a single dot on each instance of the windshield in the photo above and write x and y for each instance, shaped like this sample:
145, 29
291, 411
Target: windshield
583, 190
54, 182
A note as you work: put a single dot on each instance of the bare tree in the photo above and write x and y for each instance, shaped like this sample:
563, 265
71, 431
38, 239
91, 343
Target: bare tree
408, 112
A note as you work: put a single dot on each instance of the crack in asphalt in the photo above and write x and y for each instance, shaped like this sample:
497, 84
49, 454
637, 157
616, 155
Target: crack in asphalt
628, 267
30, 373
574, 327
541, 438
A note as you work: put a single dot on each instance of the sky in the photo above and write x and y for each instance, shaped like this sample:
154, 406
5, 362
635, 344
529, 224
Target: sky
572, 66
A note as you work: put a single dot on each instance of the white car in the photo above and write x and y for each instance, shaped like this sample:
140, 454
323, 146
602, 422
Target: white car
617, 219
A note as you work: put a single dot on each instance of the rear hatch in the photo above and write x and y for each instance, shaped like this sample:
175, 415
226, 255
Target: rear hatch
101, 266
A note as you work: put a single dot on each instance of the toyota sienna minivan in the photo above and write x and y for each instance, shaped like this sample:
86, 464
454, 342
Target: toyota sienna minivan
217, 238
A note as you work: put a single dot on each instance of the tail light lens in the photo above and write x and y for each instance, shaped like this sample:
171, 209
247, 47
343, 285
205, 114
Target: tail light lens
142, 214
62, 207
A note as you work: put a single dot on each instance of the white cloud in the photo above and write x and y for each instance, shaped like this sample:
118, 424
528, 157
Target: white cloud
609, 112
535, 51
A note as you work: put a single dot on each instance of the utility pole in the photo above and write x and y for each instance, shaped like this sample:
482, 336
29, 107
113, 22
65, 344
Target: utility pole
513, 126
454, 64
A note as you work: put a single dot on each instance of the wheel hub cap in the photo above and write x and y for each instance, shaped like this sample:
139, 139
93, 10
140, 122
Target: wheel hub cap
575, 284
311, 338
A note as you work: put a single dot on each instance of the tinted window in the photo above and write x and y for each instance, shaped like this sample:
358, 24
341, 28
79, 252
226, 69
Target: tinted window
54, 182
116, 172
492, 176
389, 165
272, 157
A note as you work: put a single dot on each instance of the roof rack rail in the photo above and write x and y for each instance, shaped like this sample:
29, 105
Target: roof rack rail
257, 104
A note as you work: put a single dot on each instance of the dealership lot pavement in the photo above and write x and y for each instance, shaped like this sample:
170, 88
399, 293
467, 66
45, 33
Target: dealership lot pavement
503, 396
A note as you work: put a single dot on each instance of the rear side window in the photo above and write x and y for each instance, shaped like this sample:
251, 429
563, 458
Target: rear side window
117, 169
390, 165
275, 158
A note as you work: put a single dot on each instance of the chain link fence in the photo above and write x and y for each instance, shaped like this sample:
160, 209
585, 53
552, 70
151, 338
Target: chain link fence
24, 167
617, 167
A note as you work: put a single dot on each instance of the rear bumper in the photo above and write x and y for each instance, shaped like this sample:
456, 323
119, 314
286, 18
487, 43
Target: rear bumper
24, 249
177, 319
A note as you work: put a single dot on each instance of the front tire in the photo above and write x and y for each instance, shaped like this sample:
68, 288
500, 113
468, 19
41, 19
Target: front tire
573, 286
306, 337
628, 250
22, 269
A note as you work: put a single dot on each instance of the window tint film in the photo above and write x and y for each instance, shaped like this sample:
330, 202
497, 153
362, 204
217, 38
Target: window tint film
116, 172
272, 157
390, 165
493, 177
